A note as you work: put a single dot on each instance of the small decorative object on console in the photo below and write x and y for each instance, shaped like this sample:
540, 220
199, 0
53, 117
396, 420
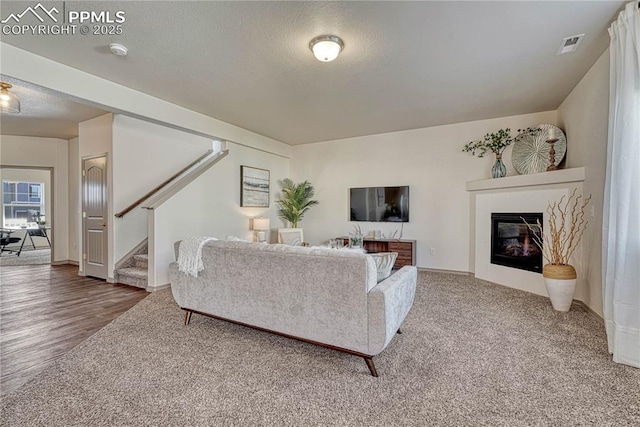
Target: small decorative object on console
355, 237
355, 240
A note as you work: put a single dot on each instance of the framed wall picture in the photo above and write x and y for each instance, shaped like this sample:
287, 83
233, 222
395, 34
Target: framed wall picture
254, 187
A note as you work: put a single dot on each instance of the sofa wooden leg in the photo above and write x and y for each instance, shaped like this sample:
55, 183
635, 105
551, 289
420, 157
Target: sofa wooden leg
399, 331
371, 366
187, 317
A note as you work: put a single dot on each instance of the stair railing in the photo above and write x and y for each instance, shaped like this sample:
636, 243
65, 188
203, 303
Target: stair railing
162, 185
177, 185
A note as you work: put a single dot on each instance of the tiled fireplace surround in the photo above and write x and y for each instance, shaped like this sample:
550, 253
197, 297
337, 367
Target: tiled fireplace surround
522, 193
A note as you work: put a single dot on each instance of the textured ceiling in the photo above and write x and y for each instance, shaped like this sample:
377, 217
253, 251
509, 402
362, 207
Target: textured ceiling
405, 65
45, 115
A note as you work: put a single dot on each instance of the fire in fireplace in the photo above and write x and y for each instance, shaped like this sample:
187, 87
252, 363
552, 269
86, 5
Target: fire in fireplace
512, 242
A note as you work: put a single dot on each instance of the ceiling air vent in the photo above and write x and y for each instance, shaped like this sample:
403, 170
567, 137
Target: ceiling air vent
570, 44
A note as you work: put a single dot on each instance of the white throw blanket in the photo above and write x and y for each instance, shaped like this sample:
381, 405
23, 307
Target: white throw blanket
190, 255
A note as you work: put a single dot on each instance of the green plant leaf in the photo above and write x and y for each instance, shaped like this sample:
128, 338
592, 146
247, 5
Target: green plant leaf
296, 200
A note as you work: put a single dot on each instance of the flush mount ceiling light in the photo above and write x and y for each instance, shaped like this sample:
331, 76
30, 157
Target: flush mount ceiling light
9, 103
118, 49
326, 48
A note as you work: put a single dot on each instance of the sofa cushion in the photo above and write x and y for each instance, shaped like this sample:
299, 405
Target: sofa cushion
384, 263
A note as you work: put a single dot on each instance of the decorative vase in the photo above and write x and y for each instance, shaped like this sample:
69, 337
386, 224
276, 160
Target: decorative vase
355, 240
560, 281
498, 170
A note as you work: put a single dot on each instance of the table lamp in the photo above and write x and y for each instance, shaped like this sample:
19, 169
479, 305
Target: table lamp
261, 225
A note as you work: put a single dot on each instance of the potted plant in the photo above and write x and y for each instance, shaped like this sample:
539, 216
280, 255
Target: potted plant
356, 237
296, 200
567, 224
37, 218
496, 143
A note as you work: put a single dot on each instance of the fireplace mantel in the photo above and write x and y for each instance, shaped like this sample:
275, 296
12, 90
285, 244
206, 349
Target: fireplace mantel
561, 176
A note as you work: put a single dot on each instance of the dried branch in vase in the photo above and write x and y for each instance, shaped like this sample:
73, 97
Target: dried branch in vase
567, 223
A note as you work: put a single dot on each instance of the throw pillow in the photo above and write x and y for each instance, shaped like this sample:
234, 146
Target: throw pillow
384, 263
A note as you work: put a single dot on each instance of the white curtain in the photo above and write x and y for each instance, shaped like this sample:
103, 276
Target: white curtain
621, 220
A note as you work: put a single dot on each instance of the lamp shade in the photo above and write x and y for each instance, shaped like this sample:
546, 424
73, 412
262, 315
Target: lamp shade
9, 102
261, 224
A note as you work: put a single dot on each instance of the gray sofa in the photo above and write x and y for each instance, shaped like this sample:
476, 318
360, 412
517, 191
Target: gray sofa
323, 296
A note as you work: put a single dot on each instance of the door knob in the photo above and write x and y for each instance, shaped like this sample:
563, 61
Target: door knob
103, 224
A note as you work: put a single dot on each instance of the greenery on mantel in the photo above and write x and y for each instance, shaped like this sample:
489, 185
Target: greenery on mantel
497, 142
296, 200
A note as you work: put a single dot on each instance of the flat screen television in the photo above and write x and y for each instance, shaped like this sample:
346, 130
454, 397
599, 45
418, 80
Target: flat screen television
379, 204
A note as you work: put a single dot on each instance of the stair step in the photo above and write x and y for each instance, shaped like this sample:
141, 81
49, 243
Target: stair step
134, 276
141, 260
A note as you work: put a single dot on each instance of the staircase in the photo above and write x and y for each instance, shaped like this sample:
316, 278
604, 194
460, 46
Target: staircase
133, 268
135, 271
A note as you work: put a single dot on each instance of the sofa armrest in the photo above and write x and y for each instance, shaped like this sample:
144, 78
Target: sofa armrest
389, 303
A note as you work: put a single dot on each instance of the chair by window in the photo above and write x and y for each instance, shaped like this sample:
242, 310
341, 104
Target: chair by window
6, 239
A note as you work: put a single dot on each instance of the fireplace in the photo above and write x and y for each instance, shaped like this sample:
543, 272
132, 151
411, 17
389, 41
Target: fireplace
512, 243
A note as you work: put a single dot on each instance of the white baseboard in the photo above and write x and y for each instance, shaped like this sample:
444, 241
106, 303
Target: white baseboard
589, 309
157, 288
64, 262
437, 270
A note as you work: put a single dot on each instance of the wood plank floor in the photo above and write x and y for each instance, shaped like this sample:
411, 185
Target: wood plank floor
47, 310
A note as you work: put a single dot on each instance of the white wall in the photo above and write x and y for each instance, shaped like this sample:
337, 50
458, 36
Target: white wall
584, 116
210, 206
429, 160
95, 138
75, 210
45, 152
145, 155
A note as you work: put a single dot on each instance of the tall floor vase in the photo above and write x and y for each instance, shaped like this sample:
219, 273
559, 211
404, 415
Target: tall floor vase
560, 281
499, 169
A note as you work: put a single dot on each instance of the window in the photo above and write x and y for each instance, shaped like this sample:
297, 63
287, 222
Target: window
22, 202
34, 193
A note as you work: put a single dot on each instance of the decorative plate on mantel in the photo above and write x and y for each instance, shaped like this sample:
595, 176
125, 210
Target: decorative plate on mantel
531, 153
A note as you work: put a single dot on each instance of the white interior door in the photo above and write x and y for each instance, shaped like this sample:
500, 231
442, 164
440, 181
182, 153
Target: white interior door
94, 213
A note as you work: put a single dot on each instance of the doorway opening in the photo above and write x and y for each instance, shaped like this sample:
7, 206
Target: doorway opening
26, 219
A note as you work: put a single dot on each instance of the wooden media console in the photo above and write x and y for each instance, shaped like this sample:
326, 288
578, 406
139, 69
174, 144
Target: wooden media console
406, 249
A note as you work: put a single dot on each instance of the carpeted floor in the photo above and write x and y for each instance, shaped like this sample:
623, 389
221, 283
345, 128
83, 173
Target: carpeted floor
28, 257
472, 353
